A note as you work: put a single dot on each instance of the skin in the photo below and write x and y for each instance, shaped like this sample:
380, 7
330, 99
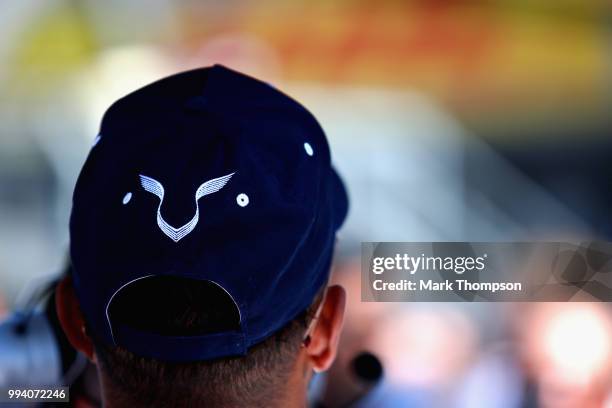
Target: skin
316, 355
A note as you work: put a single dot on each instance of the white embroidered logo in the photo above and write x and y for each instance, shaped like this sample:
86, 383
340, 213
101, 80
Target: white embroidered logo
155, 187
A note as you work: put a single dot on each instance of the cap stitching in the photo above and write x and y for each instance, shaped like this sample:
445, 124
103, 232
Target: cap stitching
208, 187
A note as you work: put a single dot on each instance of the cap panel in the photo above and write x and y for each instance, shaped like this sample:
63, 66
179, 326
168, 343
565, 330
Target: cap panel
293, 289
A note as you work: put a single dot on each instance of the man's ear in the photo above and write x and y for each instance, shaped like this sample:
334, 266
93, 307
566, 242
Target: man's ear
323, 346
71, 318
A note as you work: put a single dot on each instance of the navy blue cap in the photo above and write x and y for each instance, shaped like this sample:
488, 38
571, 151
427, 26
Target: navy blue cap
210, 175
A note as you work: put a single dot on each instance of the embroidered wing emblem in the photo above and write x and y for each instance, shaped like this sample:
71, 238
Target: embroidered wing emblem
155, 187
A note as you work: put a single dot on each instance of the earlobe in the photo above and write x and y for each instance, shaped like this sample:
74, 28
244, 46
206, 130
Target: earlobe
323, 346
71, 318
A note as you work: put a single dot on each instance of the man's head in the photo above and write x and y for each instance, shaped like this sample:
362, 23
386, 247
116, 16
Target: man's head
202, 233
272, 373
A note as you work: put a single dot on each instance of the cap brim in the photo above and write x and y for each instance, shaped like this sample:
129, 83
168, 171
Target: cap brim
339, 199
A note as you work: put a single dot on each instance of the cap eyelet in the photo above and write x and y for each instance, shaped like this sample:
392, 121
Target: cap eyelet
308, 149
127, 198
242, 200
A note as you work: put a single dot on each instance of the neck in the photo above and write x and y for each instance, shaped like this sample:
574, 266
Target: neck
292, 396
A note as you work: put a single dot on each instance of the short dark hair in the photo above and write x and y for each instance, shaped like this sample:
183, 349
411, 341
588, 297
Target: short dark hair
257, 379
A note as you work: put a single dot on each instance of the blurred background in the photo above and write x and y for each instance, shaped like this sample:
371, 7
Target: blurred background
450, 120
